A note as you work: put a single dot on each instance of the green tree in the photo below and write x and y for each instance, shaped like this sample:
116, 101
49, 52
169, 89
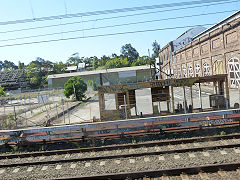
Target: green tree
74, 59
2, 93
75, 86
20, 65
155, 48
34, 74
129, 52
59, 68
117, 63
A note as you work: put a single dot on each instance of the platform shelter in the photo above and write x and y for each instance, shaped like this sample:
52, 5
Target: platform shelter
163, 91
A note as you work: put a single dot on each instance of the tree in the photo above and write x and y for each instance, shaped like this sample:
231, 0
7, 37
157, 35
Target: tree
20, 65
59, 68
129, 52
75, 86
2, 93
74, 59
155, 48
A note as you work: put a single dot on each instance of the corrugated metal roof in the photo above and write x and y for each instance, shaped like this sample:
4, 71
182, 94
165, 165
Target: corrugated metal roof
54, 76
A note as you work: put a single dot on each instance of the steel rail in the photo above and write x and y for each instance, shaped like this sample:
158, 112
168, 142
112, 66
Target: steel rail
210, 168
196, 149
123, 146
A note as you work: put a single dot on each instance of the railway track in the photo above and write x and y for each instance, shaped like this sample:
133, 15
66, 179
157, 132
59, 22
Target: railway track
217, 171
161, 147
163, 144
140, 158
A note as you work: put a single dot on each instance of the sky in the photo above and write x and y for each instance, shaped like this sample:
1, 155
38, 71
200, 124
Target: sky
91, 33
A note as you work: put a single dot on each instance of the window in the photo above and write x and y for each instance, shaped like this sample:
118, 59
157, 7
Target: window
179, 72
206, 69
190, 70
198, 70
184, 71
233, 68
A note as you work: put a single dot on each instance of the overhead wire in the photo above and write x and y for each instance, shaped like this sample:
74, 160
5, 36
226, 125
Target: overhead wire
118, 25
103, 35
111, 11
114, 17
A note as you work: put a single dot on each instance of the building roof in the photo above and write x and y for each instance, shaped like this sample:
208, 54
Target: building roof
221, 23
71, 68
54, 76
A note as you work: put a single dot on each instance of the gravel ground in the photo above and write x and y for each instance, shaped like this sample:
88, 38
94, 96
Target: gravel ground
123, 164
220, 175
118, 152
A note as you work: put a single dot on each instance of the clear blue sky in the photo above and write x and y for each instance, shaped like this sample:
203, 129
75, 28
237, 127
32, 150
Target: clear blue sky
60, 51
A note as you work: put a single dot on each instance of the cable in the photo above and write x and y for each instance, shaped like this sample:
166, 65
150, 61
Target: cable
114, 17
104, 12
103, 35
117, 25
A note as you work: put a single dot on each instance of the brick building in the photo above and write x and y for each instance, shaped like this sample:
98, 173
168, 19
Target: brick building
213, 51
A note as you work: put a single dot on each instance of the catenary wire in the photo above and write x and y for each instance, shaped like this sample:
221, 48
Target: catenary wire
114, 17
103, 35
117, 25
111, 11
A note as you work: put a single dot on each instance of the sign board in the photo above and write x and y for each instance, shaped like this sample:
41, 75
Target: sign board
150, 84
187, 37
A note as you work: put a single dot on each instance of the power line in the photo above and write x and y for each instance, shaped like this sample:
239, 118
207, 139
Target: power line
118, 25
103, 35
111, 11
114, 17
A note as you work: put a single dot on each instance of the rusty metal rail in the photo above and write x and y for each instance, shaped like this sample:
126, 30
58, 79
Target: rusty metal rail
162, 172
122, 127
118, 147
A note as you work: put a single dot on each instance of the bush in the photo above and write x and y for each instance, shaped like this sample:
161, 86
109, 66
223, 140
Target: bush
223, 133
2, 93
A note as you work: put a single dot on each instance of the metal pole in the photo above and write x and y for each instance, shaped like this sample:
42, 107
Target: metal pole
173, 105
25, 109
63, 112
57, 111
200, 95
185, 101
191, 96
68, 113
125, 106
227, 93
74, 90
15, 116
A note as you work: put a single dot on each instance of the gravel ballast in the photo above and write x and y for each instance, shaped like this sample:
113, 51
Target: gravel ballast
130, 164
